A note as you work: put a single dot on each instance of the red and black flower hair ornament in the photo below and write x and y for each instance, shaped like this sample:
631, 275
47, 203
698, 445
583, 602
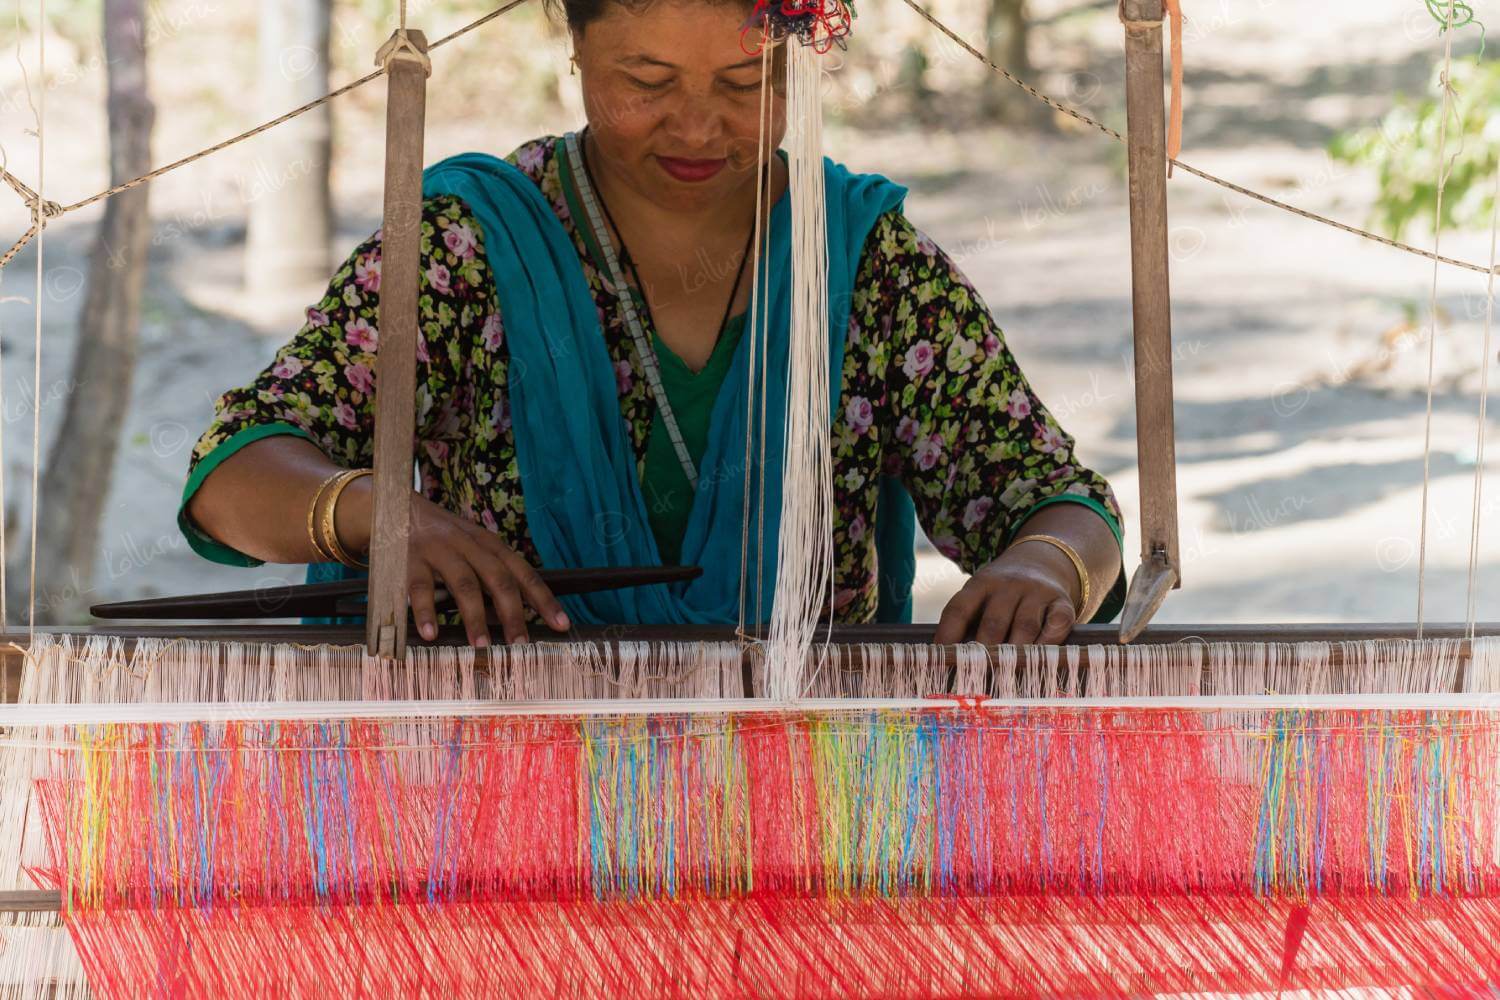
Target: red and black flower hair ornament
819, 23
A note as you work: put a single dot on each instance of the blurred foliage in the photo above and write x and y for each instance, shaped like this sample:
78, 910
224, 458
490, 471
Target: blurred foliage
1403, 150
75, 20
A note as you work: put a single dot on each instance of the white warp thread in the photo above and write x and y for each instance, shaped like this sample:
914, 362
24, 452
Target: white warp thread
804, 558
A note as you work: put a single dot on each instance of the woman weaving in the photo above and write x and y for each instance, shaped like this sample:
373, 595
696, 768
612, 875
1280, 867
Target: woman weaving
585, 382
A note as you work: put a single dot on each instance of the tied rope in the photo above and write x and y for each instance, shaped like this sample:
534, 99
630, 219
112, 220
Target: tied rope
940, 26
400, 47
1229, 185
407, 51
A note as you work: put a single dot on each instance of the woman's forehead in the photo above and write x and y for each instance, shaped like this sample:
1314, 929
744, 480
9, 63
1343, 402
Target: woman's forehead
675, 34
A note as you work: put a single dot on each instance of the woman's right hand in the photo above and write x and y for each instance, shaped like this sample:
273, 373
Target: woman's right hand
469, 561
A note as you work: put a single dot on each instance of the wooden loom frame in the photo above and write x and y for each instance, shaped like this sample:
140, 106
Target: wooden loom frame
1160, 568
385, 631
403, 58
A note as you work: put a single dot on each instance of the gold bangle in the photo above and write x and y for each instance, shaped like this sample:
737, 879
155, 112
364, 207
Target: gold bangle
1072, 554
312, 518
330, 532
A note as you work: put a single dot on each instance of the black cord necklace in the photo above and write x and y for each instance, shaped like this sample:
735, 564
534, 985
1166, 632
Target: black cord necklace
629, 261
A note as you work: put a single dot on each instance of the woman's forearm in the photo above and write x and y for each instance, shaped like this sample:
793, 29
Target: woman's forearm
1089, 535
257, 501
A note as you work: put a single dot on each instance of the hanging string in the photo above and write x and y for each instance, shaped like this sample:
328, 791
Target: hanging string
1465, 15
38, 208
40, 221
1486, 359
753, 329
761, 612
804, 556
1444, 165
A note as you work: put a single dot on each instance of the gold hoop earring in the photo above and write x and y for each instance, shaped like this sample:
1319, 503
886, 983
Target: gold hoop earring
574, 60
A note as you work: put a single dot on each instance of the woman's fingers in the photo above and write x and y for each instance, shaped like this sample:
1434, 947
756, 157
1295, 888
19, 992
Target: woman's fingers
460, 580
537, 593
1028, 618
506, 597
515, 581
999, 613
1060, 619
419, 592
473, 563
497, 583
953, 625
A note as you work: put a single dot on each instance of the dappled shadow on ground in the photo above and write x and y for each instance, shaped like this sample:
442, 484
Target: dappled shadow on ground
1319, 493
1264, 424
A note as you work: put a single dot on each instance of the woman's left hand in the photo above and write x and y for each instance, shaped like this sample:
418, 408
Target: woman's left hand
1028, 594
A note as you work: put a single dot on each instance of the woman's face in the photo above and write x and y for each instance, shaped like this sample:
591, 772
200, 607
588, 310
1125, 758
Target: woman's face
674, 102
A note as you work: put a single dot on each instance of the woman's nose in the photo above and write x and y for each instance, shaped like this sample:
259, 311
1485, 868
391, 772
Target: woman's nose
696, 124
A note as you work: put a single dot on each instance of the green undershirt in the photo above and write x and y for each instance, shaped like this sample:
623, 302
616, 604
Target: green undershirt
669, 495
665, 487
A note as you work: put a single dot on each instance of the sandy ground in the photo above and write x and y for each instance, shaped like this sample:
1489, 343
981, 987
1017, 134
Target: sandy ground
1299, 471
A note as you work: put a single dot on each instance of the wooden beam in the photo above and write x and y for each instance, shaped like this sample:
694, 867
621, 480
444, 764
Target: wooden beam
396, 364
13, 643
30, 901
1160, 570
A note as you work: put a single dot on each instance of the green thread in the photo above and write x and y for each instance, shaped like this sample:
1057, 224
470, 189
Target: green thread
1461, 13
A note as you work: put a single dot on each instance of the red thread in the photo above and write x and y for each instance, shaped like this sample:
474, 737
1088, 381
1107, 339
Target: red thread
1296, 928
993, 851
963, 702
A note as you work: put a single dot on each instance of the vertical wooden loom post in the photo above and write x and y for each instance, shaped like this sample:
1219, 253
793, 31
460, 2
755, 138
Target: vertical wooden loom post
404, 55
1160, 569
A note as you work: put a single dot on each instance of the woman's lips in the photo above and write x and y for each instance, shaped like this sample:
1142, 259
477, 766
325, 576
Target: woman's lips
691, 171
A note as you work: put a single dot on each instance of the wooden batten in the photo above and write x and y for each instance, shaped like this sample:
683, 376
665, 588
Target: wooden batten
396, 365
1160, 569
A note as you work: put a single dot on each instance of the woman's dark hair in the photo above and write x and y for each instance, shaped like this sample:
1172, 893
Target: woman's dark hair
579, 14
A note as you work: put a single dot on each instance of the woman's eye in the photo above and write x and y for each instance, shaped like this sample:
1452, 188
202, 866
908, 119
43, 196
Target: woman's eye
650, 84
743, 88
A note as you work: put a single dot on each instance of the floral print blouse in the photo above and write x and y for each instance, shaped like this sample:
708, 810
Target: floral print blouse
930, 392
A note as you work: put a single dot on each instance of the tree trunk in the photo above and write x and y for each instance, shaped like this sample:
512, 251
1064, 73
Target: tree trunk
286, 188
76, 479
1006, 38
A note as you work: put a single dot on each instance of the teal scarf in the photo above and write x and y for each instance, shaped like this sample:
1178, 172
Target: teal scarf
583, 501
